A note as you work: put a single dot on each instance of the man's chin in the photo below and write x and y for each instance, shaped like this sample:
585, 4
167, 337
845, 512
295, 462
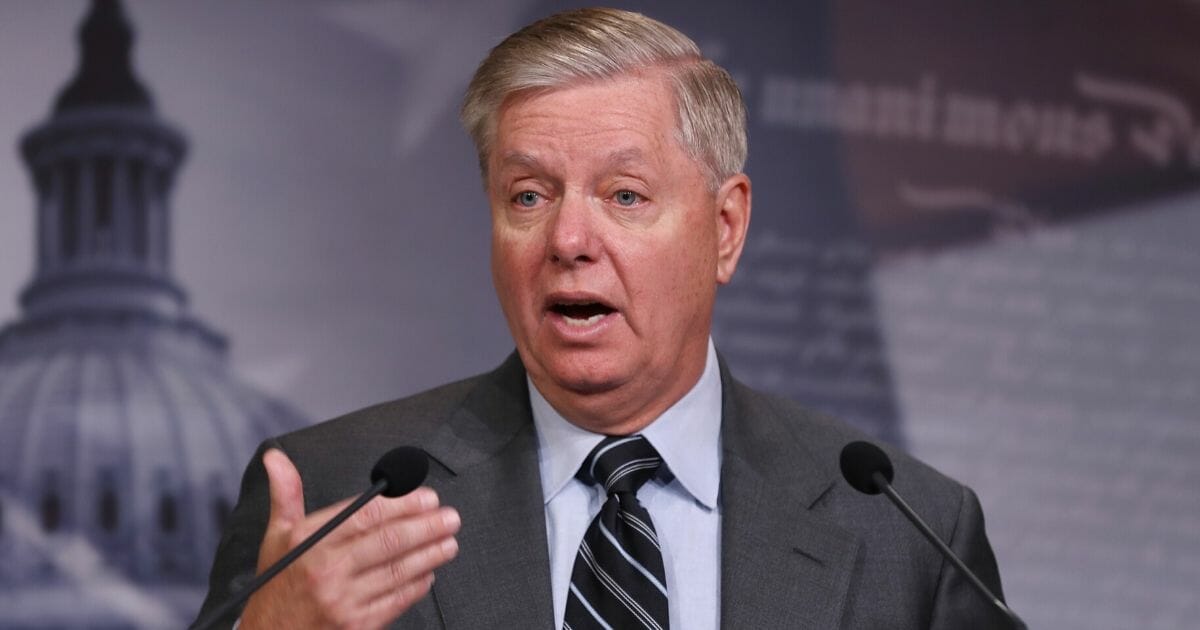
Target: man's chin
578, 379
588, 384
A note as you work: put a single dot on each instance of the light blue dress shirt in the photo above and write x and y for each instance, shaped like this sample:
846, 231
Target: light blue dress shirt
684, 508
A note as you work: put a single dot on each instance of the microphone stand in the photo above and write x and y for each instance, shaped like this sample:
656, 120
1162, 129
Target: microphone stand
885, 486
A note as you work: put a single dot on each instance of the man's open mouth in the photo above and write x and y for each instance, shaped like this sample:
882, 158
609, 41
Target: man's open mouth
583, 314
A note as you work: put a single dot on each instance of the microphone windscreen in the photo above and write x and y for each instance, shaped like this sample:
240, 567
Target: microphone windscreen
860, 461
404, 468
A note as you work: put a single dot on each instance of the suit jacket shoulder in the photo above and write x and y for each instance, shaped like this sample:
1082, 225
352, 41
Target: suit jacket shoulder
838, 558
479, 435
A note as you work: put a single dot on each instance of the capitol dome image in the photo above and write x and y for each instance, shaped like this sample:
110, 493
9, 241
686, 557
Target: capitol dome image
123, 432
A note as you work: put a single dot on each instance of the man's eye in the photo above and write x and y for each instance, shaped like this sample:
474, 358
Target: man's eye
527, 198
627, 198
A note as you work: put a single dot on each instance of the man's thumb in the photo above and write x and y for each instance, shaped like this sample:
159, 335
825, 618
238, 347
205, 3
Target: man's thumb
287, 491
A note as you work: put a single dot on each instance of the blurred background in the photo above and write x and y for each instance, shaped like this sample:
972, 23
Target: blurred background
974, 237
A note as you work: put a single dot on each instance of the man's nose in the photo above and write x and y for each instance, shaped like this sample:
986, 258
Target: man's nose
572, 237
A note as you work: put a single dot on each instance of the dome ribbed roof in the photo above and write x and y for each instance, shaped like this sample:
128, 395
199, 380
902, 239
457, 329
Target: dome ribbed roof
124, 440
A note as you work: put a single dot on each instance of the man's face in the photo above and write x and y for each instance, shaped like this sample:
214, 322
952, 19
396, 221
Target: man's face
607, 247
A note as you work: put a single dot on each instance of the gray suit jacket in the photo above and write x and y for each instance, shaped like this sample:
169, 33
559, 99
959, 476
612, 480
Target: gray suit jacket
799, 548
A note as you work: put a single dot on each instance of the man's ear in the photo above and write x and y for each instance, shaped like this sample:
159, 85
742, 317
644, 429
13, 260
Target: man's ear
733, 219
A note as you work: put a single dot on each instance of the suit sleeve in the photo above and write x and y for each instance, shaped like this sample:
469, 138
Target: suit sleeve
236, 561
958, 604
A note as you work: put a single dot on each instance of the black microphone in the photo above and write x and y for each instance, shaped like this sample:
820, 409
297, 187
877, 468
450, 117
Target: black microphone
867, 469
400, 471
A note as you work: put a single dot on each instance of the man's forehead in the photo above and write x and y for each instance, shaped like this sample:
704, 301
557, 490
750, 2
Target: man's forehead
626, 100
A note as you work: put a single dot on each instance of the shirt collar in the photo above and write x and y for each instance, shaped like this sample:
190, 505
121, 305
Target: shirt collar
687, 437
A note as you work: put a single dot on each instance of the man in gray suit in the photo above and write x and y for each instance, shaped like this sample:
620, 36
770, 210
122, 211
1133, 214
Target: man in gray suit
611, 152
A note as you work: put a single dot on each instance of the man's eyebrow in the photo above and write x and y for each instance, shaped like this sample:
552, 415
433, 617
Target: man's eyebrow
517, 158
613, 161
625, 157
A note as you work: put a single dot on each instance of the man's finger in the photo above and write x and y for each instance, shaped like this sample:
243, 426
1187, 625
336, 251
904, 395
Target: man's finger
287, 491
400, 537
378, 511
403, 572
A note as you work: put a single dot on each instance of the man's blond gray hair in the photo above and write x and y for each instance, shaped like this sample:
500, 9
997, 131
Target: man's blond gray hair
596, 44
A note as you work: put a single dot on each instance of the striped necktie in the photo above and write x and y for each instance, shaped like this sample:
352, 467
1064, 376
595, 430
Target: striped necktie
618, 581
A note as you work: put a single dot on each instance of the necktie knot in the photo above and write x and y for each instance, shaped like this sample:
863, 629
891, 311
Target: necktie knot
621, 464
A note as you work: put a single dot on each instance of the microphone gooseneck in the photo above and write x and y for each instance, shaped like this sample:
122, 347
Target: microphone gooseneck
869, 470
400, 471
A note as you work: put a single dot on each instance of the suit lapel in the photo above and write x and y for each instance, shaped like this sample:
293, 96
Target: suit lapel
489, 472
782, 565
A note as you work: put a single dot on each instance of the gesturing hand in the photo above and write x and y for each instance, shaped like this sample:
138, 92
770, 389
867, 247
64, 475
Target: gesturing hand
366, 573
